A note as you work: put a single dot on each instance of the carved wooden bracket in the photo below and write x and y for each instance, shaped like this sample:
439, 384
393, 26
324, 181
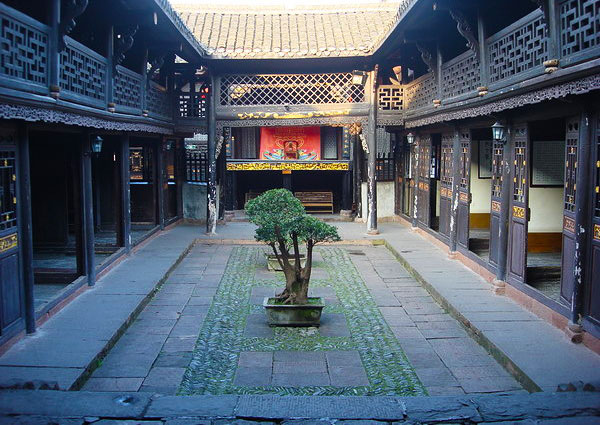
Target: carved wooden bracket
464, 29
70, 9
427, 58
123, 44
155, 65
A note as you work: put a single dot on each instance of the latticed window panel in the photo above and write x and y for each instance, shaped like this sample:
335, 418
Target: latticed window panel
390, 98
522, 49
8, 190
571, 164
520, 165
420, 93
446, 176
385, 167
81, 73
425, 157
126, 89
461, 77
196, 165
465, 163
23, 50
579, 25
497, 164
157, 100
289, 89
193, 102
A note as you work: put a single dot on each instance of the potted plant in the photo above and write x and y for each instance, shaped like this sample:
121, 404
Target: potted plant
284, 225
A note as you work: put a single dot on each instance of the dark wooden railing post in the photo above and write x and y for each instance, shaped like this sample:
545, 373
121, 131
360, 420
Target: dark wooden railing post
53, 48
25, 226
372, 143
110, 74
125, 195
87, 204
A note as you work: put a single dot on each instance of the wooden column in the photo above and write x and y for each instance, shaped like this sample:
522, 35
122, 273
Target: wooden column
504, 208
110, 51
211, 204
125, 222
87, 206
357, 166
160, 182
180, 175
583, 179
53, 45
372, 144
455, 191
25, 226
415, 180
347, 191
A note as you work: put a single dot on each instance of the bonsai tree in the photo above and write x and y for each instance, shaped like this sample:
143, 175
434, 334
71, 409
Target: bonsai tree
284, 225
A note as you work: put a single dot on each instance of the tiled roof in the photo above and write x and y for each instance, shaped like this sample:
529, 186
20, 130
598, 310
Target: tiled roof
280, 32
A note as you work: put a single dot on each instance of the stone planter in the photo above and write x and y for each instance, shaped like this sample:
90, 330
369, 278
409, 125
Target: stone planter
294, 315
273, 264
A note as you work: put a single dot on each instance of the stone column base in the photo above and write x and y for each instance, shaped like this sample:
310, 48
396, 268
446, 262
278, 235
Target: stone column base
453, 255
346, 215
498, 287
228, 215
372, 232
574, 332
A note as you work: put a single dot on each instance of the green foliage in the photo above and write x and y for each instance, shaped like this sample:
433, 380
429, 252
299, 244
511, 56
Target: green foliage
279, 215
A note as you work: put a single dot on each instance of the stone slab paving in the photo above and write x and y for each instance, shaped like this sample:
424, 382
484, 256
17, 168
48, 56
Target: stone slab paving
124, 408
154, 352
67, 346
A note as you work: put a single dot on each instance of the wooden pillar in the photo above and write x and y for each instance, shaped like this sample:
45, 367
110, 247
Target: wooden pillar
125, 198
53, 45
415, 180
455, 191
504, 208
372, 155
110, 51
347, 191
583, 179
211, 204
357, 167
287, 181
160, 182
180, 175
87, 206
25, 226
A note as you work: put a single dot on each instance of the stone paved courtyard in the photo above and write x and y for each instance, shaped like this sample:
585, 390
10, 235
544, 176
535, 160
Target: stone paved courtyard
205, 332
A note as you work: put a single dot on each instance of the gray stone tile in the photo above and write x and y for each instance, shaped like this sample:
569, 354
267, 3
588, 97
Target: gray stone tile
300, 379
252, 376
334, 325
164, 377
203, 300
125, 366
402, 332
298, 356
445, 391
489, 384
303, 367
113, 384
195, 310
257, 359
439, 376
175, 359
343, 359
422, 308
257, 326
177, 344
348, 376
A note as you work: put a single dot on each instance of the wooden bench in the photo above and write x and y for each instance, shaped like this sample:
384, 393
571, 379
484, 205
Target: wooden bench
316, 202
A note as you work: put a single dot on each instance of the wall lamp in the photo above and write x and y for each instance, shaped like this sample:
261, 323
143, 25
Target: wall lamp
359, 78
498, 132
95, 145
410, 138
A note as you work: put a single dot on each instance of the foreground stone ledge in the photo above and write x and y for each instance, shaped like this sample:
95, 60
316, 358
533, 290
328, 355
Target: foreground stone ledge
43, 407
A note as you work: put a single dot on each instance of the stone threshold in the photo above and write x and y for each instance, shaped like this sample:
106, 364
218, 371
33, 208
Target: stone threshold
18, 406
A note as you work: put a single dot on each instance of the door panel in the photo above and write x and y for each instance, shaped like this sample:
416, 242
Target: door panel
593, 301
446, 183
464, 185
11, 299
496, 201
568, 233
517, 242
424, 215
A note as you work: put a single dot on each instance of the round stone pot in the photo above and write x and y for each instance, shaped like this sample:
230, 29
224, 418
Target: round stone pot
294, 315
273, 264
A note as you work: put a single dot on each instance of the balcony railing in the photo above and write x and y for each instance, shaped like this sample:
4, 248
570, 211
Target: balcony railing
127, 95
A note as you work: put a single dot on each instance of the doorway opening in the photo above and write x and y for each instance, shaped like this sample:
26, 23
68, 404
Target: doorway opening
143, 190
435, 188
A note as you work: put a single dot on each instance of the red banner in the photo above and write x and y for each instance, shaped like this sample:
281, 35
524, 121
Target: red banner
293, 143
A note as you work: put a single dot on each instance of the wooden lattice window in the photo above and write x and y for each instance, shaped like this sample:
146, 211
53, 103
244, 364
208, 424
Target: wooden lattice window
497, 163
447, 152
571, 165
390, 98
465, 164
424, 159
8, 190
520, 165
579, 25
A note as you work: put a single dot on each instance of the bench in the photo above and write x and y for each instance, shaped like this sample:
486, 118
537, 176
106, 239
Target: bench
316, 202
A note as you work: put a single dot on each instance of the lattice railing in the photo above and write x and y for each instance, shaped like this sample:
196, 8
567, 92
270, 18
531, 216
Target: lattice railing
289, 89
158, 101
461, 75
127, 88
579, 26
518, 48
23, 48
82, 74
391, 98
420, 93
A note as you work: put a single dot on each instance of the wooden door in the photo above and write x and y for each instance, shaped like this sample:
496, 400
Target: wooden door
568, 232
446, 183
464, 189
593, 270
423, 181
519, 213
11, 295
496, 199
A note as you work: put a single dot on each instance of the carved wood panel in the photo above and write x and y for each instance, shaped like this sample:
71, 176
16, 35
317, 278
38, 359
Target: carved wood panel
579, 26
461, 75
